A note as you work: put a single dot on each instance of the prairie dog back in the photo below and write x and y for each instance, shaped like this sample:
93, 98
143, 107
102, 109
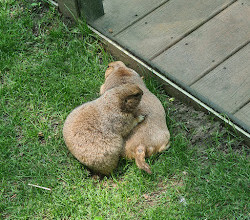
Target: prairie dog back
94, 131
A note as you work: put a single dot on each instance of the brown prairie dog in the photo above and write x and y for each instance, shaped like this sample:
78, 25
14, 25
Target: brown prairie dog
94, 132
152, 135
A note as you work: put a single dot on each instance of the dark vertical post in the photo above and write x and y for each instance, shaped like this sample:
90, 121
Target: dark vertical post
91, 9
69, 8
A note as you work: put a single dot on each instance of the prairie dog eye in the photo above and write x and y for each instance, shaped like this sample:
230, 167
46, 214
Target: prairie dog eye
137, 94
108, 71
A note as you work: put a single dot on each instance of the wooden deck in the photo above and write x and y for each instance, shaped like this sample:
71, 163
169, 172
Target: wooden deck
201, 45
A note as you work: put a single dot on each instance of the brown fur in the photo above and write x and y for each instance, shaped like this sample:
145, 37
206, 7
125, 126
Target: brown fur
152, 135
94, 132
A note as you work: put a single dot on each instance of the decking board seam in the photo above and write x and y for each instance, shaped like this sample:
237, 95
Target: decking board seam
193, 29
219, 63
241, 106
126, 27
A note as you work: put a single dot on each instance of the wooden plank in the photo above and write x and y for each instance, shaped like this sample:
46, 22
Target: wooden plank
208, 46
228, 85
167, 25
244, 114
68, 8
119, 14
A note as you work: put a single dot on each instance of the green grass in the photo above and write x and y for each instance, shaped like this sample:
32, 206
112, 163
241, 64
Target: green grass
47, 68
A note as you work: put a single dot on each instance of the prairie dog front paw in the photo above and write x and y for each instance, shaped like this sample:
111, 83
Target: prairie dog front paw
141, 118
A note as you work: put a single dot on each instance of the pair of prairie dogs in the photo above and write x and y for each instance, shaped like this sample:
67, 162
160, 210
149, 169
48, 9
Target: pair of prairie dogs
126, 120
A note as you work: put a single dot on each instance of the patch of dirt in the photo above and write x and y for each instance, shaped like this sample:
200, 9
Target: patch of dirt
151, 199
202, 129
4, 79
19, 135
39, 7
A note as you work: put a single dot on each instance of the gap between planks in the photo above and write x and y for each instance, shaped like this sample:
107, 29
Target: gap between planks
192, 30
140, 18
219, 63
241, 106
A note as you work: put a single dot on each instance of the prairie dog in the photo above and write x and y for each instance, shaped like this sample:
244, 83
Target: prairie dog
94, 132
152, 135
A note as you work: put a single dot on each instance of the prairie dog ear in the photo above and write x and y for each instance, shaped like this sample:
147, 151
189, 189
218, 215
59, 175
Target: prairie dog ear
131, 100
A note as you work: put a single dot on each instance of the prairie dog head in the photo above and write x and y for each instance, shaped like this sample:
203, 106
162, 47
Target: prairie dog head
113, 67
118, 74
130, 97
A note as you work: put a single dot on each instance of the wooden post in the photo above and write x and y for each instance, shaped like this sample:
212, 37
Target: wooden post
91, 9
69, 8
88, 9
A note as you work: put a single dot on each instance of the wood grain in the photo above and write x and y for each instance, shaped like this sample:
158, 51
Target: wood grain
168, 24
244, 114
119, 14
228, 85
208, 46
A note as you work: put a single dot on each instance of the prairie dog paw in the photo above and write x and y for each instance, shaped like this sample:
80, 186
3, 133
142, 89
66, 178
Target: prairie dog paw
141, 118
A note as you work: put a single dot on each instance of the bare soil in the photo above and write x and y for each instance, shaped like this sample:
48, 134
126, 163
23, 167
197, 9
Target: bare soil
202, 129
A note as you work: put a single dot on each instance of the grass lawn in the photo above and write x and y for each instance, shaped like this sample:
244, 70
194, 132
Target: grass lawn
47, 68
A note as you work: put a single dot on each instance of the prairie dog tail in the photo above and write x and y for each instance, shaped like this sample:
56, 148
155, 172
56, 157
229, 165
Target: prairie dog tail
140, 153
